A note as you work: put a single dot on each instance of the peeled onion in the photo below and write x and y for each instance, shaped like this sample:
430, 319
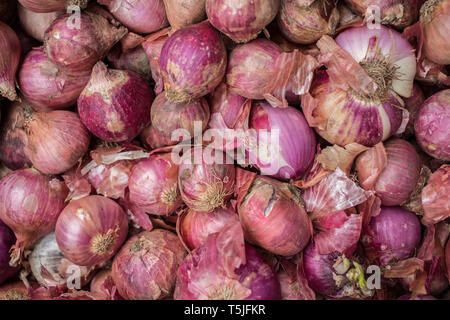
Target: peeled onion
9, 61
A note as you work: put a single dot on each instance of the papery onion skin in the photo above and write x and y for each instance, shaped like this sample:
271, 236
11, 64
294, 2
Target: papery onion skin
188, 79
153, 185
400, 176
45, 86
392, 235
7, 240
77, 50
30, 204
43, 6
35, 24
102, 286
141, 16
272, 217
115, 104
243, 20
56, 140
434, 18
432, 125
91, 230
226, 103
181, 13
435, 196
134, 60
9, 61
145, 267
306, 24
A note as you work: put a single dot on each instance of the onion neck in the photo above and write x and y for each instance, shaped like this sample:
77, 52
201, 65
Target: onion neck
169, 195
427, 10
104, 243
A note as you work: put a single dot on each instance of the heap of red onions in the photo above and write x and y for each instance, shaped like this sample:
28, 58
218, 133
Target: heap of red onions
115, 104
145, 268
30, 204
181, 13
91, 230
243, 20
432, 125
190, 78
9, 61
7, 240
45, 85
42, 6
57, 140
35, 24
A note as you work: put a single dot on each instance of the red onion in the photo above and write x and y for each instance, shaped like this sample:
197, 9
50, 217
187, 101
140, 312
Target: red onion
45, 86
195, 77
30, 203
9, 61
15, 291
197, 226
91, 230
141, 16
56, 140
145, 268
273, 217
181, 13
413, 104
115, 104
225, 268
43, 6
205, 186
306, 24
7, 10
432, 125
392, 235
435, 22
435, 196
7, 240
134, 60
103, 287
153, 185
152, 47
243, 20
35, 24
76, 50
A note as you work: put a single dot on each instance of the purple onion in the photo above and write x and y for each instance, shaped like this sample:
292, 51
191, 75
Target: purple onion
7, 239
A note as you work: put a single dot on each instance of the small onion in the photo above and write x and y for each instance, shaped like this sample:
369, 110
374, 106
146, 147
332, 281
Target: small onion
134, 60
43, 6
9, 61
7, 240
91, 230
35, 24
181, 13
115, 104
190, 78
145, 268
243, 20
432, 125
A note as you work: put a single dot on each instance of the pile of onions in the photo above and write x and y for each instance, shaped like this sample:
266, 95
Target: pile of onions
7, 240
395, 182
91, 230
241, 21
30, 204
103, 287
190, 78
115, 104
9, 61
57, 140
435, 22
432, 125
153, 47
141, 16
76, 50
43, 6
35, 24
206, 185
305, 24
435, 196
181, 13
153, 185
288, 148
392, 235
145, 268
272, 216
45, 85
134, 60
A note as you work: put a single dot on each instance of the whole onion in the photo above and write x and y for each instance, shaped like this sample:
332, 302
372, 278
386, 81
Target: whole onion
45, 85
435, 22
273, 217
141, 16
153, 48
115, 104
30, 204
56, 140
243, 20
288, 149
306, 24
432, 125
7, 10
103, 287
134, 60
181, 13
35, 24
145, 268
435, 196
7, 240
153, 185
205, 186
14, 138
76, 50
392, 235
413, 105
197, 226
399, 178
43, 6
91, 230
9, 61
190, 78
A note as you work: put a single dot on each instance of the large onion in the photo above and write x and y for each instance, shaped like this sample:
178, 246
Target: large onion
7, 240
9, 61
35, 24
181, 13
